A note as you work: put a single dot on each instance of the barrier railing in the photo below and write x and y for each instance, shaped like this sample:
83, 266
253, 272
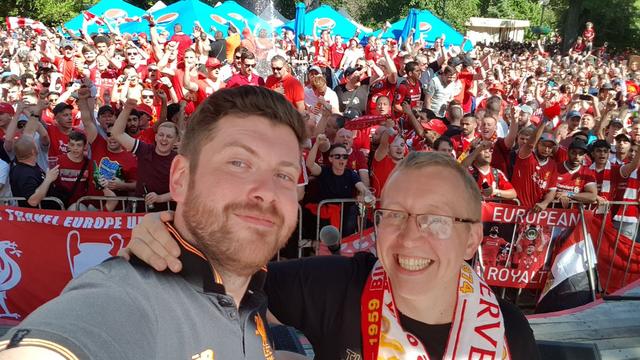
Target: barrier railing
361, 213
13, 200
128, 204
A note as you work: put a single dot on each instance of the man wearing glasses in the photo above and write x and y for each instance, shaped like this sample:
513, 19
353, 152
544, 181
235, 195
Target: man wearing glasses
419, 299
284, 83
246, 76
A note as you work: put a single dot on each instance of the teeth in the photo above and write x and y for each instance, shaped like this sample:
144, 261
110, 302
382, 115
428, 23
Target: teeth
413, 263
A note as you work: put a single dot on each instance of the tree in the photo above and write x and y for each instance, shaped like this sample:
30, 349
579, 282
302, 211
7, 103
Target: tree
51, 12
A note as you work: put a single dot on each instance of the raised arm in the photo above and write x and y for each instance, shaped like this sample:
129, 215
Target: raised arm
117, 131
314, 168
86, 115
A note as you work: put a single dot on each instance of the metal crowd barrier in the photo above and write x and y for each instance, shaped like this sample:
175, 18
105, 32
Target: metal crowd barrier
361, 218
127, 204
13, 201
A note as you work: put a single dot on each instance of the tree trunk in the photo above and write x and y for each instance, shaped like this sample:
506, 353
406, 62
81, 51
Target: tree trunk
572, 23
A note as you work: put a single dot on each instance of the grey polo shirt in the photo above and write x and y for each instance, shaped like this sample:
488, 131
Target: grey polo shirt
126, 310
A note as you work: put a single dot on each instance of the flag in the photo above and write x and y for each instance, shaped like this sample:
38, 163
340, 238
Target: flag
568, 282
91, 18
618, 256
14, 22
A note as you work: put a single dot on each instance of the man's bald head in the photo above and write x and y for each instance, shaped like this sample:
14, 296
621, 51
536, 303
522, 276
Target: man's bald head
25, 147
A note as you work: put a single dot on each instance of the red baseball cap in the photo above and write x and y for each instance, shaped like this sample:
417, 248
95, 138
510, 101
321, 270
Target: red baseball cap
497, 87
435, 125
213, 63
144, 108
6, 108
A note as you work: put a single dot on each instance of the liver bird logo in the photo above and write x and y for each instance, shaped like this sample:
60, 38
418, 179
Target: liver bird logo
10, 275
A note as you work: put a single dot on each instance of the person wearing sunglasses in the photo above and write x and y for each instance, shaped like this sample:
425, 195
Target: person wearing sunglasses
281, 81
336, 180
417, 299
246, 76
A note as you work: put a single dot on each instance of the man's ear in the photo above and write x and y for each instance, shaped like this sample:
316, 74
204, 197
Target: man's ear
473, 241
179, 178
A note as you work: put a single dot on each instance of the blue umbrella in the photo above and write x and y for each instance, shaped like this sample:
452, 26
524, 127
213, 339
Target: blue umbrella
299, 22
410, 24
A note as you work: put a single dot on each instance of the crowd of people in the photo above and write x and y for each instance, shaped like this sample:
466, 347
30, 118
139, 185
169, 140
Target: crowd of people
103, 114
186, 119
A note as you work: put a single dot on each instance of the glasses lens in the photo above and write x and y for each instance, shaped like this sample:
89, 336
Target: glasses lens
436, 225
276, 68
250, 65
109, 134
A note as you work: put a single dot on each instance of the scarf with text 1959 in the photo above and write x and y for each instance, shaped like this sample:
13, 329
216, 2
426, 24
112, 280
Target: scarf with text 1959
629, 213
604, 189
477, 328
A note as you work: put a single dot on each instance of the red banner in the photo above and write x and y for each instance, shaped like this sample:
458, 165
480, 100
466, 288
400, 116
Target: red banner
42, 250
516, 242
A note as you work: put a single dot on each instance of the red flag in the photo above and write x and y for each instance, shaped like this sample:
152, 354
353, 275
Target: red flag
92, 18
20, 22
618, 258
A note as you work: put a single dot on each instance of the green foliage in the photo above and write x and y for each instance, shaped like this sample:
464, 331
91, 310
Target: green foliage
51, 12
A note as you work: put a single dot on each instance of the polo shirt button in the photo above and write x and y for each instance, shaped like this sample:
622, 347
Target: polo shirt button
233, 314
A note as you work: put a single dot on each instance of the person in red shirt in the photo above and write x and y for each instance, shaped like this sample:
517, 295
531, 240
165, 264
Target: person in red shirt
323, 44
112, 168
389, 153
576, 181
6, 113
282, 82
462, 142
385, 85
357, 160
336, 51
491, 181
409, 97
535, 173
589, 35
246, 76
65, 63
184, 41
492, 245
47, 115
59, 132
72, 182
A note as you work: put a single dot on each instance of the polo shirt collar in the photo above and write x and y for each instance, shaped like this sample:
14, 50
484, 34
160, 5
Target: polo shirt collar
197, 270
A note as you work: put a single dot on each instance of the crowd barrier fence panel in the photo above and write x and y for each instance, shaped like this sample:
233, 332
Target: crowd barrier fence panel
11, 200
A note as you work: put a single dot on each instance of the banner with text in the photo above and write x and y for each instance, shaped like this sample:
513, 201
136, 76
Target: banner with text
516, 243
42, 250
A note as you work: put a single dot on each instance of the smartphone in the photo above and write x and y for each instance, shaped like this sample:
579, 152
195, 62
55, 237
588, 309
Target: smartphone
585, 97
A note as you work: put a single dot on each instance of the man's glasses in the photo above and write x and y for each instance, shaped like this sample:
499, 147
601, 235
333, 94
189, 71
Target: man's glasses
250, 65
340, 156
439, 226
147, 96
131, 54
108, 134
238, 57
276, 68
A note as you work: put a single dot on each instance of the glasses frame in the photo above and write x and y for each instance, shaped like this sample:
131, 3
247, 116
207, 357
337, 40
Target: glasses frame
416, 216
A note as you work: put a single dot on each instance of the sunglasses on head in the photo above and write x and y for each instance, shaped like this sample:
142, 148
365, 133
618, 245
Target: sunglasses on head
340, 156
